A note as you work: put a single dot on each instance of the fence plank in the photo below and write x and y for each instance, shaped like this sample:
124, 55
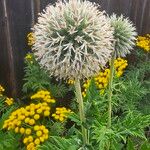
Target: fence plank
10, 57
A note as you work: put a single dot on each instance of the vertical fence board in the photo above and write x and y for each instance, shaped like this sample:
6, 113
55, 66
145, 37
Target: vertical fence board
21, 17
9, 50
20, 23
4, 71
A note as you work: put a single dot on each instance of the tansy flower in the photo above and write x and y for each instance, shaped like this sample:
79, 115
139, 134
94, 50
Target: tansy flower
29, 58
1, 90
124, 34
102, 78
43, 95
61, 114
9, 101
120, 65
31, 39
144, 42
70, 82
73, 39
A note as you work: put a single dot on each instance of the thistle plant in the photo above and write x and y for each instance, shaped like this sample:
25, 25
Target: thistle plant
74, 43
124, 35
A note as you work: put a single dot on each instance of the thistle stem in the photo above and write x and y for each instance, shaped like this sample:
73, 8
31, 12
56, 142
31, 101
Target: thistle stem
81, 110
110, 90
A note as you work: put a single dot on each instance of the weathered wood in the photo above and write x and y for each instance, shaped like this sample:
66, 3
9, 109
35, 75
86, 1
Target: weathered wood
10, 57
18, 16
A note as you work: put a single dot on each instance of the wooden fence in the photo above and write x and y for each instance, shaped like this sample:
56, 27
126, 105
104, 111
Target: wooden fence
18, 16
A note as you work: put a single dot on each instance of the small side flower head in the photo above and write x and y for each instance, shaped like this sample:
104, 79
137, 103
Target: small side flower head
124, 35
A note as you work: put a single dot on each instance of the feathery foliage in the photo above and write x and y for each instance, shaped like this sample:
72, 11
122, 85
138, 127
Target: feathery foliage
9, 141
36, 78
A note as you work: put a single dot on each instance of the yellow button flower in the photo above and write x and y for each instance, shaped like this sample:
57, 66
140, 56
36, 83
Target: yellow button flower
31, 122
38, 133
36, 116
37, 141
22, 130
46, 113
28, 131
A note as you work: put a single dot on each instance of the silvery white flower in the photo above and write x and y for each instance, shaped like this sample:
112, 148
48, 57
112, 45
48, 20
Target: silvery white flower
124, 34
73, 39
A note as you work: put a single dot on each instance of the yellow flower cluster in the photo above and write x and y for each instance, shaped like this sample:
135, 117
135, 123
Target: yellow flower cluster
31, 39
120, 65
9, 101
144, 42
102, 79
44, 96
40, 133
70, 82
61, 114
27, 115
85, 86
1, 90
24, 120
29, 58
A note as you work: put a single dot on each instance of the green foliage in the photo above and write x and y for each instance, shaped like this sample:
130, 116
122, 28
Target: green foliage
145, 146
130, 145
128, 119
9, 141
60, 143
59, 90
56, 128
2, 104
132, 124
6, 114
96, 104
36, 79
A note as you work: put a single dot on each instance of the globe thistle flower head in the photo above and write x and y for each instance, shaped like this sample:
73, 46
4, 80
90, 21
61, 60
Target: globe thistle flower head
124, 35
73, 39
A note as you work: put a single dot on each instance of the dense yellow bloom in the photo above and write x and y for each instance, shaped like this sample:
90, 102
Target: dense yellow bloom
9, 101
28, 115
120, 65
61, 114
1, 90
102, 79
25, 120
31, 39
40, 134
44, 96
144, 42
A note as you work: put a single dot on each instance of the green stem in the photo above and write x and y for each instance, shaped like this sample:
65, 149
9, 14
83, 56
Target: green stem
110, 91
81, 110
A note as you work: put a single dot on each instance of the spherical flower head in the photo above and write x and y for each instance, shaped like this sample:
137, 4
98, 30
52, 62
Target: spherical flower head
73, 39
124, 34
